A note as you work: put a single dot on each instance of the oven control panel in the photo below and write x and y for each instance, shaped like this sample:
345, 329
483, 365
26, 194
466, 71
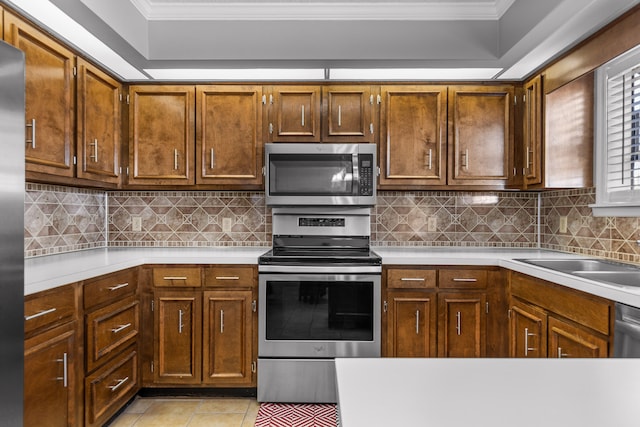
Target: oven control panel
320, 222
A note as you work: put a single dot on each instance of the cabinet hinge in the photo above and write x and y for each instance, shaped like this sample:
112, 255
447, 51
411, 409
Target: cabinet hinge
371, 99
152, 305
264, 171
264, 99
524, 98
270, 98
270, 127
128, 99
75, 71
254, 367
487, 307
385, 306
120, 97
254, 306
509, 313
75, 160
371, 128
515, 100
515, 171
152, 367
379, 100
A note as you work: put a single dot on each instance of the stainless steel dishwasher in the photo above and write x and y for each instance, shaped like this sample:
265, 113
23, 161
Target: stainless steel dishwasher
626, 338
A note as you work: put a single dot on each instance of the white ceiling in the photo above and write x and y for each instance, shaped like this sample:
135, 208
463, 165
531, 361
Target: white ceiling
510, 37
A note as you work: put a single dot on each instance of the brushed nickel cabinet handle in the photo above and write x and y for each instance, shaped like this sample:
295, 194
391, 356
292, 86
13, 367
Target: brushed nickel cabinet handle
561, 354
527, 349
302, 116
412, 279
211, 160
32, 141
458, 323
116, 287
119, 383
40, 313
227, 277
120, 328
180, 324
465, 159
222, 321
339, 115
429, 159
459, 279
65, 370
175, 277
175, 159
94, 156
417, 322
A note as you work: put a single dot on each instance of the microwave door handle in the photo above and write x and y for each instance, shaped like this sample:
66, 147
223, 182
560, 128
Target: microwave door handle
356, 173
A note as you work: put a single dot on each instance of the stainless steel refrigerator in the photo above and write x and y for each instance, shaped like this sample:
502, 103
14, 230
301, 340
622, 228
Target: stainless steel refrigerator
12, 140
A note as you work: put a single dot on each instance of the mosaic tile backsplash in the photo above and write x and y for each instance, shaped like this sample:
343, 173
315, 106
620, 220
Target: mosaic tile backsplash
60, 219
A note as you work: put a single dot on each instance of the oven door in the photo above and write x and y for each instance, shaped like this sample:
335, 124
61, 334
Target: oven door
319, 315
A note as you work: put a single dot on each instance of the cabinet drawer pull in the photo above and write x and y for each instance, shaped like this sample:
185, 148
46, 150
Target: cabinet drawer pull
120, 328
175, 277
32, 141
227, 277
412, 279
120, 286
457, 279
65, 372
118, 384
41, 313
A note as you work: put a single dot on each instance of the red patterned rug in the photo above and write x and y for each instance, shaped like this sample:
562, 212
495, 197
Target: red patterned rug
297, 415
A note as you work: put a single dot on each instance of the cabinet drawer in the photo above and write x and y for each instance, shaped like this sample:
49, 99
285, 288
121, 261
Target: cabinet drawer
111, 328
110, 288
399, 278
110, 387
462, 279
49, 308
177, 277
230, 275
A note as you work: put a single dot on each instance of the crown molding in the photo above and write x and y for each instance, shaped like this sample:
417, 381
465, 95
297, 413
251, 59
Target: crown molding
322, 11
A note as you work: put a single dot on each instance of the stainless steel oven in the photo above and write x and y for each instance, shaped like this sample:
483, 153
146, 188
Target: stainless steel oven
319, 298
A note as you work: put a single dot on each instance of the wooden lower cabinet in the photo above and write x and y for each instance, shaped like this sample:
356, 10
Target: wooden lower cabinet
462, 324
412, 321
177, 331
227, 355
50, 381
549, 320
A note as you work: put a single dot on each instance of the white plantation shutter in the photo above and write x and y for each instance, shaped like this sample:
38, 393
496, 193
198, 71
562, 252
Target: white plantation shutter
618, 136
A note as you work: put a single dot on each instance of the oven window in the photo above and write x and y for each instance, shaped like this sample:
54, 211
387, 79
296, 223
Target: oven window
309, 310
310, 174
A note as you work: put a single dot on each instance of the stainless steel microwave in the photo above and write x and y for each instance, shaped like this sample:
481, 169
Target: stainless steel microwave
320, 174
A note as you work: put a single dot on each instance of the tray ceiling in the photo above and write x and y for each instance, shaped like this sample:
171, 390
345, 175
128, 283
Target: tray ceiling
511, 37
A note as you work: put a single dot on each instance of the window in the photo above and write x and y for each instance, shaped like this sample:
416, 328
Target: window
617, 124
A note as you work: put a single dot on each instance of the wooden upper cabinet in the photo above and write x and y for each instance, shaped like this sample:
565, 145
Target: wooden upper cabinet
532, 144
161, 135
294, 113
99, 124
480, 134
229, 143
568, 152
413, 132
348, 114
49, 96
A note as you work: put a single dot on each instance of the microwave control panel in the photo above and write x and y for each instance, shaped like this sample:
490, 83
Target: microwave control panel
365, 164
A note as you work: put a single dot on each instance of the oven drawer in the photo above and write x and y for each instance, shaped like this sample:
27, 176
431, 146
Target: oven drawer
110, 329
230, 276
107, 389
297, 380
177, 277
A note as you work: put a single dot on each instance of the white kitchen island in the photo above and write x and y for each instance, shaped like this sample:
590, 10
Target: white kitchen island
440, 392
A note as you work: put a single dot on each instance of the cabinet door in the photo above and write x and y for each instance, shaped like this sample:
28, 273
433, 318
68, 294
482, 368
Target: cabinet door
411, 324
229, 135
49, 98
480, 134
413, 129
528, 331
161, 135
294, 114
532, 132
177, 323
50, 381
462, 324
568, 340
98, 124
348, 112
228, 338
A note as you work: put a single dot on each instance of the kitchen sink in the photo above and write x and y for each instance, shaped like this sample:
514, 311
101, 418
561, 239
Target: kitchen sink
623, 278
586, 265
594, 269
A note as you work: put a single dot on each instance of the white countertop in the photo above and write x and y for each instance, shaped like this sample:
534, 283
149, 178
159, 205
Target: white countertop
442, 392
48, 272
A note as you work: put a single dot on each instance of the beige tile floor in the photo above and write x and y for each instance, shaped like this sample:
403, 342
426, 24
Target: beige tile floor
189, 412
